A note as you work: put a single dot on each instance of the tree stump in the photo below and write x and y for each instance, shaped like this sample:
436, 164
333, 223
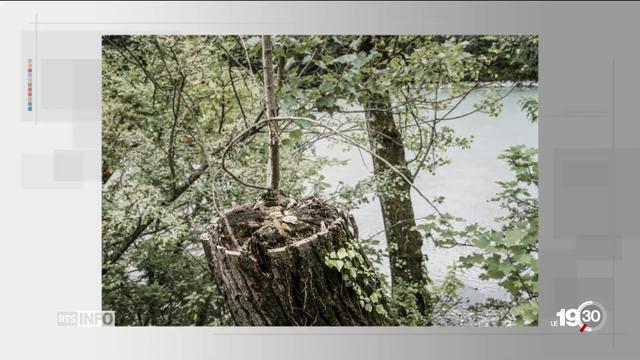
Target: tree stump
272, 267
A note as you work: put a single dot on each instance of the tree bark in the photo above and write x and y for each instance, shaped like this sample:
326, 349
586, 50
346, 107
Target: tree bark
273, 177
404, 243
288, 285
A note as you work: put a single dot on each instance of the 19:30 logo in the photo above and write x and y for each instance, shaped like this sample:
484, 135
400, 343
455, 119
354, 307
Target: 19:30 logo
589, 316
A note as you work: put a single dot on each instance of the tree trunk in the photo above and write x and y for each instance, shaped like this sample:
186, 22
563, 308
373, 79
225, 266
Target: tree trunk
273, 178
404, 243
279, 275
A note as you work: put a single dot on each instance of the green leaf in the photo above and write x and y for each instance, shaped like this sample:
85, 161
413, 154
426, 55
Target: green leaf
381, 310
288, 101
327, 86
482, 242
359, 62
325, 102
295, 134
289, 63
342, 253
513, 237
345, 59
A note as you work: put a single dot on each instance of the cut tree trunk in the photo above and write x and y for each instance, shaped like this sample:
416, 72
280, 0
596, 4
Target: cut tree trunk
278, 276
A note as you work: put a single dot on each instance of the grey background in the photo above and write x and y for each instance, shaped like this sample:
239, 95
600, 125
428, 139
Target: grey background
50, 192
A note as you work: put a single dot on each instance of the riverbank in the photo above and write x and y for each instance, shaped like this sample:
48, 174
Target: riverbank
472, 316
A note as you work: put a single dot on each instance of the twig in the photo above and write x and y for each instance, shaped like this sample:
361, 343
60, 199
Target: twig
355, 143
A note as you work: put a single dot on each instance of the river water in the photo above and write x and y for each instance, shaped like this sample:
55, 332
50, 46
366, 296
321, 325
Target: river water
467, 183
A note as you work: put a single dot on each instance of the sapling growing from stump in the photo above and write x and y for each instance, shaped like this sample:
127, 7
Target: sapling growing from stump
291, 261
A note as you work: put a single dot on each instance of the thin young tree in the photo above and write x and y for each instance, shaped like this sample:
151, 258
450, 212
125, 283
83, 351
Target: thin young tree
273, 178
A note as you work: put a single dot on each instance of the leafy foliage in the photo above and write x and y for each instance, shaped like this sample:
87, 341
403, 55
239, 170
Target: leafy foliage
508, 255
530, 106
173, 105
170, 107
353, 267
